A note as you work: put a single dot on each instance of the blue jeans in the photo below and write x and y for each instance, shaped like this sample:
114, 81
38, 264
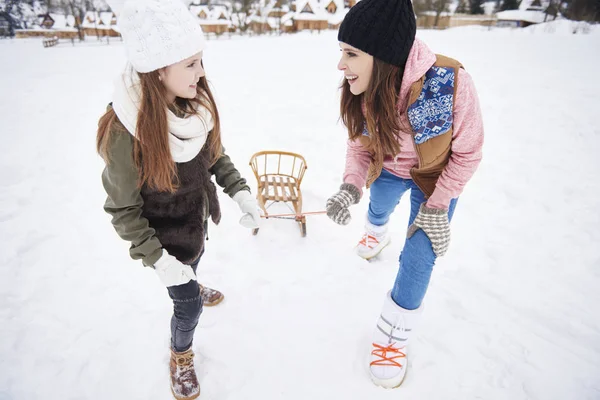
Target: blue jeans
417, 258
187, 307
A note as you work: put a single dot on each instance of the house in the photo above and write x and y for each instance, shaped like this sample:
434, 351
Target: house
213, 19
270, 16
276, 9
457, 20
310, 16
430, 20
530, 12
52, 25
200, 11
519, 18
287, 22
100, 24
57, 21
334, 6
337, 10
259, 23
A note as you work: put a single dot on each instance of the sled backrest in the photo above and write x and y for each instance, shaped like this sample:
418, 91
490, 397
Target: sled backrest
267, 164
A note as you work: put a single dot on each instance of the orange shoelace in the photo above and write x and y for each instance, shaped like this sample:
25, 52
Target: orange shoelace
369, 238
387, 361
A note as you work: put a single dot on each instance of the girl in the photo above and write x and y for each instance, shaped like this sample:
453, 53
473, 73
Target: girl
414, 123
161, 141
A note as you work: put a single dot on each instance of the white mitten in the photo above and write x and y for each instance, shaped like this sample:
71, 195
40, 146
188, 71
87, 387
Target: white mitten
173, 272
249, 206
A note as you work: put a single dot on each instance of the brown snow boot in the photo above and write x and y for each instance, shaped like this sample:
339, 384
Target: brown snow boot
184, 382
210, 297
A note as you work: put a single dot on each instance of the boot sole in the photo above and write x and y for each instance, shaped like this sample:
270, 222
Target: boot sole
214, 303
382, 382
185, 398
369, 256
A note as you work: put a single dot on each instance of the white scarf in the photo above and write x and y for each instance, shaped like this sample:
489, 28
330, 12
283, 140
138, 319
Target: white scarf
186, 135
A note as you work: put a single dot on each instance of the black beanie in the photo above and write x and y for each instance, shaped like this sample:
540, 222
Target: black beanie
384, 29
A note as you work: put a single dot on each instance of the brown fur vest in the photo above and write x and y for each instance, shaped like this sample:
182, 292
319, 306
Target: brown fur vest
180, 218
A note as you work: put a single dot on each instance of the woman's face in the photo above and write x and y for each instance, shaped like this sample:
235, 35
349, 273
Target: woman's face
357, 66
180, 79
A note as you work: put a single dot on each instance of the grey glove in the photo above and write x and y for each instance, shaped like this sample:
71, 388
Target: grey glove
436, 226
337, 205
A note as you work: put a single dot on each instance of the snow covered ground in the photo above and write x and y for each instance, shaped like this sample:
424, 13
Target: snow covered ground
512, 311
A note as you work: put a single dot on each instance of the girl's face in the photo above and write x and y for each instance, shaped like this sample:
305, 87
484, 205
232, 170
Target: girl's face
357, 66
180, 79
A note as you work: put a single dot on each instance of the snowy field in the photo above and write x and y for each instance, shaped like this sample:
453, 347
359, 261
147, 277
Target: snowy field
512, 310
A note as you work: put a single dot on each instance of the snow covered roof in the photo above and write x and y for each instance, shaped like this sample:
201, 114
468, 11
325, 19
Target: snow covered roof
213, 15
62, 22
224, 5
534, 17
339, 4
197, 10
102, 20
107, 18
338, 17
221, 8
310, 10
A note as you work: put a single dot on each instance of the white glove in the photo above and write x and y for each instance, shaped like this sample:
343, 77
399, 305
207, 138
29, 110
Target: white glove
249, 206
173, 272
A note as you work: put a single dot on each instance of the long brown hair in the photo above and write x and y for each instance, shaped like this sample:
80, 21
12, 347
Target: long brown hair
380, 108
151, 151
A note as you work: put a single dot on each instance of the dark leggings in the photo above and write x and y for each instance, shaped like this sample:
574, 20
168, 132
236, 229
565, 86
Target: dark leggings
187, 307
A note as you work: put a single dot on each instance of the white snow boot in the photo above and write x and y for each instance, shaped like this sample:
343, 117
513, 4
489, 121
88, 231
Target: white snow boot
388, 360
373, 240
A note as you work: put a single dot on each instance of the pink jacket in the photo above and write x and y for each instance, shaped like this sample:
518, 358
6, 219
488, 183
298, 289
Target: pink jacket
467, 137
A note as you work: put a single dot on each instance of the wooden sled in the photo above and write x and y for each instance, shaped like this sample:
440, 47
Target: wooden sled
279, 175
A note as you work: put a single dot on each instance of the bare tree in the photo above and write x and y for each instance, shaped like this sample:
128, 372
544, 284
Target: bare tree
241, 11
463, 7
509, 5
439, 6
551, 11
422, 6
581, 10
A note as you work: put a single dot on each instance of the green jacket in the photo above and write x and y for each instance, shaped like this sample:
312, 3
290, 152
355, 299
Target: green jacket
125, 203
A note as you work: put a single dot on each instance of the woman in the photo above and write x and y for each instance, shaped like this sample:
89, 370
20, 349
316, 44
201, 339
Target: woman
414, 123
161, 142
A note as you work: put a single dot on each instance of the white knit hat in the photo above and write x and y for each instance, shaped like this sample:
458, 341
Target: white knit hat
158, 33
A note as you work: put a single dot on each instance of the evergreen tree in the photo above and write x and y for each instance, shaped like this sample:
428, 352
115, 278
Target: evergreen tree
509, 5
476, 6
